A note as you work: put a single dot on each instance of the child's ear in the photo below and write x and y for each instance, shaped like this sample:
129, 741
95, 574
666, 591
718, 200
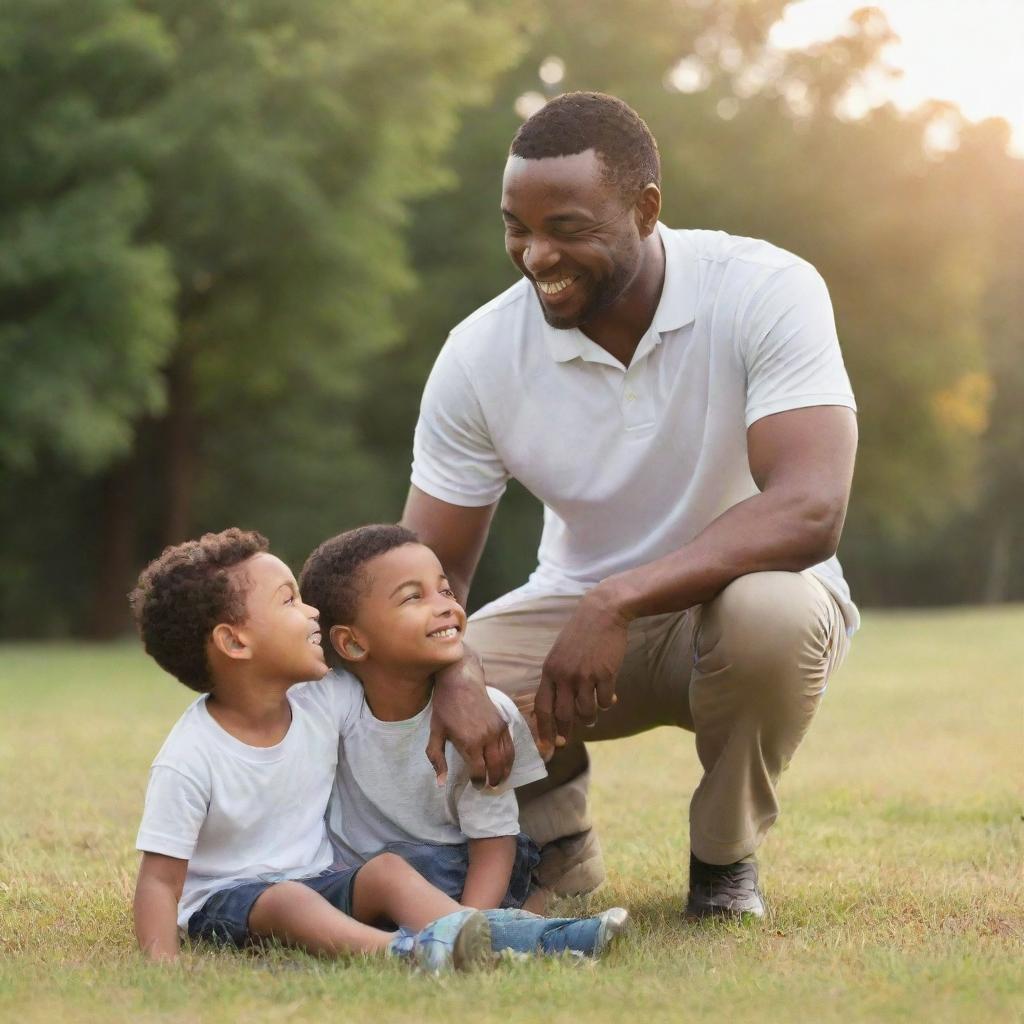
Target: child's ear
230, 642
345, 642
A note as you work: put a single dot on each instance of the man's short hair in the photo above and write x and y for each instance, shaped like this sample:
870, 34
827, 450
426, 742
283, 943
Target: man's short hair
577, 121
182, 595
334, 579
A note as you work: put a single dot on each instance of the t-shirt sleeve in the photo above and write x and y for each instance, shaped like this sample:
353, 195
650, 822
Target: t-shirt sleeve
176, 807
789, 346
528, 766
454, 458
486, 813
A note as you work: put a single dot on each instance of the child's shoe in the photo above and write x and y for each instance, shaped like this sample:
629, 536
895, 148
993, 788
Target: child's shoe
524, 932
461, 941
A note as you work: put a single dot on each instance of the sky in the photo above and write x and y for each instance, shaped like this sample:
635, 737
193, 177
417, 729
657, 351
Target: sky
967, 51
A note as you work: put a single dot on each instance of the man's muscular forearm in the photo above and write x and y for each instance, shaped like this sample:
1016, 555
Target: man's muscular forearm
803, 463
464, 714
770, 531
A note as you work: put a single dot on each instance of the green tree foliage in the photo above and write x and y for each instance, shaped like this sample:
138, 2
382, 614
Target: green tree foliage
85, 303
207, 224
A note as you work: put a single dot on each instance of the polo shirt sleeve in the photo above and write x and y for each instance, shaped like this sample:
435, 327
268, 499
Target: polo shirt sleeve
454, 458
789, 346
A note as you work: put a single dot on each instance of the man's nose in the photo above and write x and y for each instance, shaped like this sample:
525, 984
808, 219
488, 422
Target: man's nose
539, 256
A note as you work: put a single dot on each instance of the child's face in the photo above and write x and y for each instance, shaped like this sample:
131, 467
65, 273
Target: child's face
282, 632
408, 617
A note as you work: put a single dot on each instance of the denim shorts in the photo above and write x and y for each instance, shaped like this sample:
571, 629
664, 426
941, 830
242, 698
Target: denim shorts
445, 867
224, 917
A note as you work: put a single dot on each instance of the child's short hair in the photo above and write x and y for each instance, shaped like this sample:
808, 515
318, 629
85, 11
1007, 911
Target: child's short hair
182, 595
332, 579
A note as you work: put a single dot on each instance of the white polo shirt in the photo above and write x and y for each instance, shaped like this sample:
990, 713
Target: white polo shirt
632, 462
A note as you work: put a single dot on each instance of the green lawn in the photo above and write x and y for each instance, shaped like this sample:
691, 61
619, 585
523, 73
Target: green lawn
894, 876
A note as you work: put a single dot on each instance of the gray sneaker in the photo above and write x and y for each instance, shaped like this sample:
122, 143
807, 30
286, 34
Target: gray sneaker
724, 890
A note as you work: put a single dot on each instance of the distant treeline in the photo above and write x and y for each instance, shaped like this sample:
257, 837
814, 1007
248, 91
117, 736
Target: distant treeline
236, 235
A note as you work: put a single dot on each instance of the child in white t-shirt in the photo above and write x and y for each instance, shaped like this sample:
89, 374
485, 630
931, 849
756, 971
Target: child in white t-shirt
390, 621
233, 838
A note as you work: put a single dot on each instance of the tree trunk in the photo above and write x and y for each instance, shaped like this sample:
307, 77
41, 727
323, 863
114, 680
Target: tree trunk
179, 451
118, 532
997, 578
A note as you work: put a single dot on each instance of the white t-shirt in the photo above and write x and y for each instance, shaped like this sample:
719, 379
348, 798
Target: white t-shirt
633, 462
239, 813
386, 790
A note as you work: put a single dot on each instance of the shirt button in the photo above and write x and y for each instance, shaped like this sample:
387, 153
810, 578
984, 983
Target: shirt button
630, 396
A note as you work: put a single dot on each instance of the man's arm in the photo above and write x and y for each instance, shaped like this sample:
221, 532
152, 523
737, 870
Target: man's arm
490, 869
454, 533
802, 461
462, 711
155, 907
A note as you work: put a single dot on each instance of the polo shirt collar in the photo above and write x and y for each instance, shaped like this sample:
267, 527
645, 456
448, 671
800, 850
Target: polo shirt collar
676, 308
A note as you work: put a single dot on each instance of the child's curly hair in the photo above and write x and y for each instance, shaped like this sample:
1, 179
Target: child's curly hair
333, 577
182, 595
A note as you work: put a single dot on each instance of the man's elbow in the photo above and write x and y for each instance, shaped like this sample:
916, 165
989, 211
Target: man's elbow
821, 528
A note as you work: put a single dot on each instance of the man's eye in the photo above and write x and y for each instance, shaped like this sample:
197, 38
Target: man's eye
514, 229
410, 597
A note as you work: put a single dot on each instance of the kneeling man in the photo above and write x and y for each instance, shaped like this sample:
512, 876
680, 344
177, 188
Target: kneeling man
677, 400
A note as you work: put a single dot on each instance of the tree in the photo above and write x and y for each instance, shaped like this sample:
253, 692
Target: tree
257, 159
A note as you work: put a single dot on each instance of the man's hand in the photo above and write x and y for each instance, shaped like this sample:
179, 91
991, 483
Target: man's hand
464, 714
578, 678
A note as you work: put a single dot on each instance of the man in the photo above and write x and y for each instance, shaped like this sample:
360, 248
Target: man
678, 402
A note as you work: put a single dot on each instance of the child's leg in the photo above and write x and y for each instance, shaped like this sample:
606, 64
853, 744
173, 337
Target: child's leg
293, 913
387, 887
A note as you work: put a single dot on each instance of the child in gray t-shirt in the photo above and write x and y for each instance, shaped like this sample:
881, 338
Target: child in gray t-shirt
389, 621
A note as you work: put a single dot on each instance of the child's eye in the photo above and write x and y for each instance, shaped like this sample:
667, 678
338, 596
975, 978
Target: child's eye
290, 600
448, 592
411, 597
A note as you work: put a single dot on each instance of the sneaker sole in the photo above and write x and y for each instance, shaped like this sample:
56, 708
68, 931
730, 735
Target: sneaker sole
614, 924
473, 944
721, 914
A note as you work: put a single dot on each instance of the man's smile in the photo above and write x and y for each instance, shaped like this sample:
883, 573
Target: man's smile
554, 287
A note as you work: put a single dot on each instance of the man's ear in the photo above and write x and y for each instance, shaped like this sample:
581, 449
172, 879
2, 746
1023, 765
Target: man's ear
346, 643
648, 209
231, 642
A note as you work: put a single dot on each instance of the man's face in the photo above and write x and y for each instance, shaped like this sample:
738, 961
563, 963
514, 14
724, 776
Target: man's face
571, 234
282, 631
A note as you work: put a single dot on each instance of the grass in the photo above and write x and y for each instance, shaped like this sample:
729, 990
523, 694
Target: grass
894, 875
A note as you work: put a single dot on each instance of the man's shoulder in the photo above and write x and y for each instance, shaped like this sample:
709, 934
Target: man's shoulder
752, 254
504, 313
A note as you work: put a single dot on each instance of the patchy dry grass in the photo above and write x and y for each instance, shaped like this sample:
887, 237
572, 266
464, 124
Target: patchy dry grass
895, 874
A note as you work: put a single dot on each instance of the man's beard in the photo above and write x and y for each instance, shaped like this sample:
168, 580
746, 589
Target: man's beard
604, 296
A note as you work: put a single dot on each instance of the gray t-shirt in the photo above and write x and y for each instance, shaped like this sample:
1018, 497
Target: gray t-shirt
386, 792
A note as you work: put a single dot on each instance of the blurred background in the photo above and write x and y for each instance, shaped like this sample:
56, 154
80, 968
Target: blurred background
235, 235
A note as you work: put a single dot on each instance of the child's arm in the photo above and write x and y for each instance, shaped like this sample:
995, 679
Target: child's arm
157, 892
490, 870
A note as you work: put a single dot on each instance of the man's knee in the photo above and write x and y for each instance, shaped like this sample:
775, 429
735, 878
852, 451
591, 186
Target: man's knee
771, 625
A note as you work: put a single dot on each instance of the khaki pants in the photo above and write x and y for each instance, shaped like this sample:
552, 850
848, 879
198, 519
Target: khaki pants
744, 672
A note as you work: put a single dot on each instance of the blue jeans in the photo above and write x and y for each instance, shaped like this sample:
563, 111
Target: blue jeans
445, 867
224, 917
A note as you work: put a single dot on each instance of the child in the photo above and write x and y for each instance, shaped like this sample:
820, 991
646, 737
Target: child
390, 618
233, 838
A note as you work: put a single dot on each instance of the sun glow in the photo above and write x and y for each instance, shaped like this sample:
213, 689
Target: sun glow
966, 52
